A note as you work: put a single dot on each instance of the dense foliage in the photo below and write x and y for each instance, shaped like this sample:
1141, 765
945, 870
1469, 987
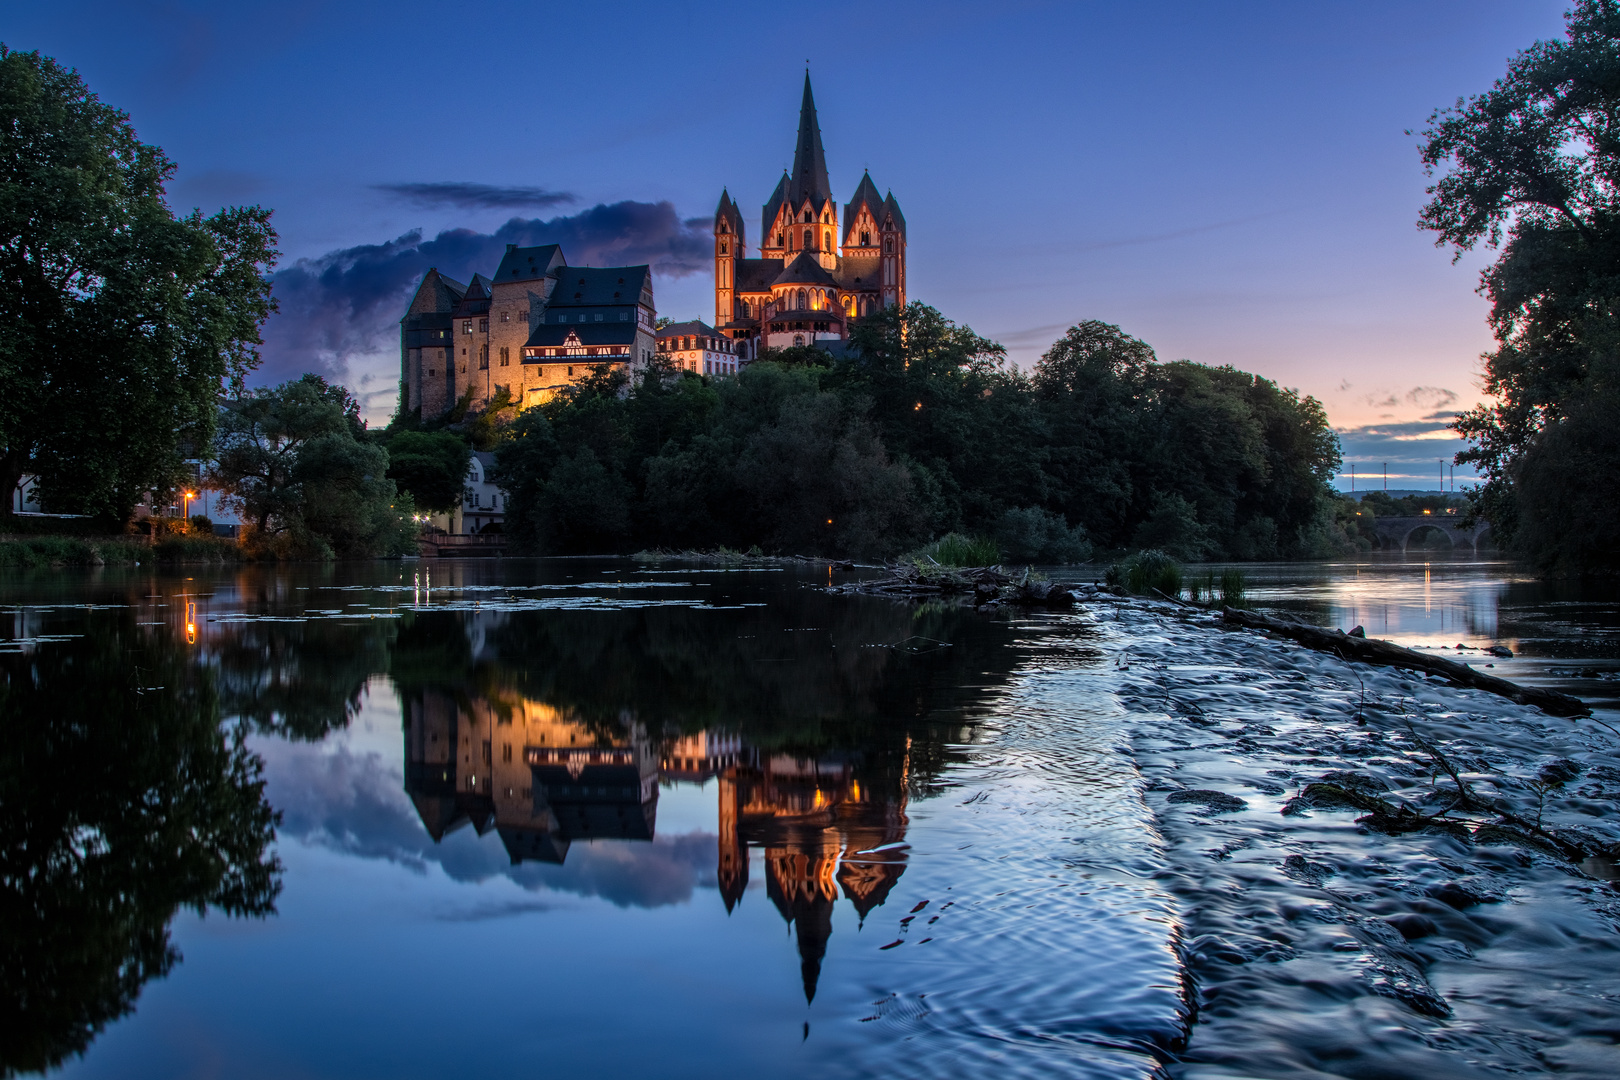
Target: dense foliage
1532, 167
293, 462
922, 429
122, 323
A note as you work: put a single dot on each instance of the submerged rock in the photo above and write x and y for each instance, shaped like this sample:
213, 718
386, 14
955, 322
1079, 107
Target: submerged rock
1216, 802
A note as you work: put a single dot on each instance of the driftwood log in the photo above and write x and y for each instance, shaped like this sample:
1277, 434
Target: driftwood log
985, 584
1373, 651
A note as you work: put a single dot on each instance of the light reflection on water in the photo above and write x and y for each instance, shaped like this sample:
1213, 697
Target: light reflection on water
597, 819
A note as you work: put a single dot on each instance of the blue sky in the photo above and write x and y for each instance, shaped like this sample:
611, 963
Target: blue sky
1230, 182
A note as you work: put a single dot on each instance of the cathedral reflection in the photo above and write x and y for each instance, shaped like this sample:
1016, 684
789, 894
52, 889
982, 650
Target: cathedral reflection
825, 825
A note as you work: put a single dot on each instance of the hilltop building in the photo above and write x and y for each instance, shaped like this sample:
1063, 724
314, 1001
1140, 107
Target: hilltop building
537, 326
698, 347
816, 272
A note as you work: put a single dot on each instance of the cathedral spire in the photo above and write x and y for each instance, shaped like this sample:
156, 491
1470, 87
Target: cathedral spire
809, 176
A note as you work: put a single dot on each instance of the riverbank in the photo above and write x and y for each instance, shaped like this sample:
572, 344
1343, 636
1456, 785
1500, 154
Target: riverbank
47, 552
1315, 944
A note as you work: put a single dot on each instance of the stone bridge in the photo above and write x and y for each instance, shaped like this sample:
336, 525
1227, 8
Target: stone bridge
1395, 533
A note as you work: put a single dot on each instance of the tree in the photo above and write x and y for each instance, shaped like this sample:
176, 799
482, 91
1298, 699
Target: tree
289, 461
431, 466
1532, 168
122, 323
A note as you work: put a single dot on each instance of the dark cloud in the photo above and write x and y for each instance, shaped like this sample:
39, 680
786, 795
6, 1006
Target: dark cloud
469, 196
347, 304
1431, 397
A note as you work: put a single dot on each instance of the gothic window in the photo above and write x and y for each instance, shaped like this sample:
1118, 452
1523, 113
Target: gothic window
888, 243
866, 239
725, 248
483, 357
807, 216
798, 339
723, 229
826, 240
745, 309
803, 300
506, 356
808, 239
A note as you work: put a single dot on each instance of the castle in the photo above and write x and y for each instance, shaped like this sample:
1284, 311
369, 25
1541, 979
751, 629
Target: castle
540, 324
814, 275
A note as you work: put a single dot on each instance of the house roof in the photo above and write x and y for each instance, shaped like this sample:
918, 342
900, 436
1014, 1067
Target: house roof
804, 270
600, 286
858, 273
548, 335
528, 263
756, 275
694, 327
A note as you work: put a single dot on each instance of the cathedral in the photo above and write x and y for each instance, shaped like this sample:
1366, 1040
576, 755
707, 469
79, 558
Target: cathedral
816, 273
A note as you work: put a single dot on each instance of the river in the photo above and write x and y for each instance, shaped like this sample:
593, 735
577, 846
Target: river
602, 818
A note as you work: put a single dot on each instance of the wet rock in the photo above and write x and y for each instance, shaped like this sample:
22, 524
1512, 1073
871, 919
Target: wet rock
1411, 926
1557, 773
1215, 802
1359, 631
1501, 650
1300, 868
1457, 895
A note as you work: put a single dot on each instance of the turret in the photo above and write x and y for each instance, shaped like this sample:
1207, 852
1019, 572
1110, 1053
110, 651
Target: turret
892, 230
729, 246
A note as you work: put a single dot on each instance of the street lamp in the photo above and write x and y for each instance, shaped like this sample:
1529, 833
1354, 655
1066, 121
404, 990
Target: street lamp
189, 496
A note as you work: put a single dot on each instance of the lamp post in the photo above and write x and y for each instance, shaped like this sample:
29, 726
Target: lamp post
189, 496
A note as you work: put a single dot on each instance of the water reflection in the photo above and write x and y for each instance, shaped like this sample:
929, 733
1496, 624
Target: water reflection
124, 802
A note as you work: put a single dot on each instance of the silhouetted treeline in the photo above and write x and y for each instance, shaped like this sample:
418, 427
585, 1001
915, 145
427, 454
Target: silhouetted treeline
921, 429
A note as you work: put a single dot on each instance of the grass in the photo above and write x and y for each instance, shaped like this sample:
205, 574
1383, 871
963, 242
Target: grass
1147, 573
955, 550
47, 551
195, 549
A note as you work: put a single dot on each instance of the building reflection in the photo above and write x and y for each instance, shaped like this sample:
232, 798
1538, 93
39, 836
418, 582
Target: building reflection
825, 825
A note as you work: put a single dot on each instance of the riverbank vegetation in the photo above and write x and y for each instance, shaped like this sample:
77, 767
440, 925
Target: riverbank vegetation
920, 429
1531, 168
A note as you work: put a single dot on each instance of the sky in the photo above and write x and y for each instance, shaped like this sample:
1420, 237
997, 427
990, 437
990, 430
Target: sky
1233, 182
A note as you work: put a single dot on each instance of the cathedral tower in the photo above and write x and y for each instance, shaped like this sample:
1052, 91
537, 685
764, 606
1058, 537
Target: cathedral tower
729, 246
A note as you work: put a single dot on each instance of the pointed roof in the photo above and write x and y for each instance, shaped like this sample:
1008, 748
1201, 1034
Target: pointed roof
866, 194
891, 205
805, 270
809, 177
728, 212
437, 294
772, 205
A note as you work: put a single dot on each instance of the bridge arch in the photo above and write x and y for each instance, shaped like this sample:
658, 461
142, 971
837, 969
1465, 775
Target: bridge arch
1432, 529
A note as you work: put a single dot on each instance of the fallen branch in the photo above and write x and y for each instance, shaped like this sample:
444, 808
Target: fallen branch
1373, 651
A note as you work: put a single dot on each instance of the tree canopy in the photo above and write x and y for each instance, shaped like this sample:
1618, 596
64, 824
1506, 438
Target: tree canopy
289, 459
1532, 168
920, 428
123, 322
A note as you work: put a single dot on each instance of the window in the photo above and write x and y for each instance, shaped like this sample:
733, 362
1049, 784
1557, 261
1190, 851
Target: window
598, 316
778, 244
888, 243
466, 326
725, 249
506, 356
624, 316
803, 300
483, 357
506, 316
807, 216
506, 752
798, 339
866, 238
808, 241
483, 326
826, 240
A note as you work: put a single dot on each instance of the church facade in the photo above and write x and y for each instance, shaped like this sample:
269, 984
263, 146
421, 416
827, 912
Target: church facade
817, 270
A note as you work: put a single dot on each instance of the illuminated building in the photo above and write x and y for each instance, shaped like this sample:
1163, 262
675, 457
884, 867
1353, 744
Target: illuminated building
816, 272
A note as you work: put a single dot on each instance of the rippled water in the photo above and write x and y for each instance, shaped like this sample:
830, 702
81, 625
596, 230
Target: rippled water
590, 818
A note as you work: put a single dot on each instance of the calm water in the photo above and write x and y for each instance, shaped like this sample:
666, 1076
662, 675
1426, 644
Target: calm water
577, 818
